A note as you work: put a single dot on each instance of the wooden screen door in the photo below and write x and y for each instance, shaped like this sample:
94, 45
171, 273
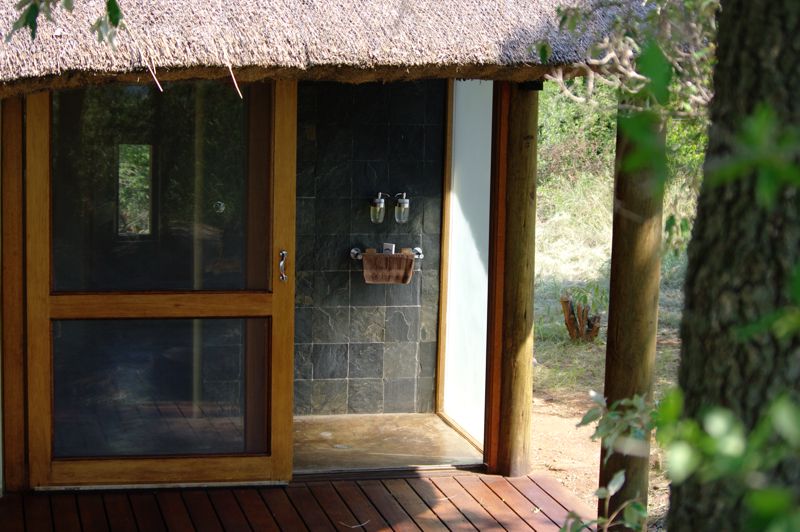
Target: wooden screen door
160, 287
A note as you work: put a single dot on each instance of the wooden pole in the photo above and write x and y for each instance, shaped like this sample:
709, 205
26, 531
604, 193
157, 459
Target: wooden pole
516, 368
633, 309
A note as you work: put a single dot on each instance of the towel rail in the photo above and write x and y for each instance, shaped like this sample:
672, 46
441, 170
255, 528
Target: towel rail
357, 254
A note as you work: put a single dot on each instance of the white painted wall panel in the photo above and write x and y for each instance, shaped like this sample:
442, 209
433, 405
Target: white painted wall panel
468, 271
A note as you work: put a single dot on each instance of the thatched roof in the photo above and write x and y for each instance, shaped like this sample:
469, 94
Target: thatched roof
348, 40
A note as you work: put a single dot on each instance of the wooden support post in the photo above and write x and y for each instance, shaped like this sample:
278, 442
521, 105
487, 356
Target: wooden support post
633, 309
518, 247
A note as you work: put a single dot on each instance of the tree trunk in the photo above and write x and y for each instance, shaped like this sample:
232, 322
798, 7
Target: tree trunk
741, 255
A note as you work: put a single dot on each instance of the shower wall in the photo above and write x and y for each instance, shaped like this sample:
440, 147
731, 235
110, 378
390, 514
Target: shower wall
366, 348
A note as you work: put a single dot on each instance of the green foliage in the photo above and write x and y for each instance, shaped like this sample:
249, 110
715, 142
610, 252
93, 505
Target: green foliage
631, 514
105, 26
591, 294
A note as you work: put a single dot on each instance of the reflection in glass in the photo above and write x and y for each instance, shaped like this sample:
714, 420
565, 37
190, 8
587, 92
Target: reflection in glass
159, 387
134, 190
138, 178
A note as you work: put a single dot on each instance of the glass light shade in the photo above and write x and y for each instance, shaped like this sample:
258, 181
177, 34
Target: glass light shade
402, 210
377, 210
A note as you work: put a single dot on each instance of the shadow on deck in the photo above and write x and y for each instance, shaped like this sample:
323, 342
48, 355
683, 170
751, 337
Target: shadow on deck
429, 501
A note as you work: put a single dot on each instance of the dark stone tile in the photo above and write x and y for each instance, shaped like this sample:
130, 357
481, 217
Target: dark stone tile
369, 178
402, 324
302, 398
429, 324
305, 216
334, 180
432, 216
332, 253
432, 181
400, 360
305, 253
366, 361
372, 104
302, 361
304, 289
432, 246
222, 332
425, 395
303, 318
407, 103
435, 102
329, 361
401, 295
365, 295
403, 175
371, 142
365, 396
334, 144
430, 288
427, 359
331, 216
407, 143
335, 103
332, 288
226, 392
306, 101
221, 363
399, 395
434, 143
367, 324
329, 397
330, 325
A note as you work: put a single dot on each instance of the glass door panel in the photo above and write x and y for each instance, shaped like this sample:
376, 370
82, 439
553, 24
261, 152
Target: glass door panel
159, 327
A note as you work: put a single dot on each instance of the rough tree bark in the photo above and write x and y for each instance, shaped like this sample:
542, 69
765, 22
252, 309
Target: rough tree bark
741, 256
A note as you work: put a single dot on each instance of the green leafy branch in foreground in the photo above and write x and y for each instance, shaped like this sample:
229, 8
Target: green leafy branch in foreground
105, 27
717, 447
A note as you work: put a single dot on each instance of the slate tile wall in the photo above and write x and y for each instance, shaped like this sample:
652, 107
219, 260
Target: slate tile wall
366, 348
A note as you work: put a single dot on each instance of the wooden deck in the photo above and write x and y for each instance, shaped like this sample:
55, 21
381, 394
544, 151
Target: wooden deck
435, 502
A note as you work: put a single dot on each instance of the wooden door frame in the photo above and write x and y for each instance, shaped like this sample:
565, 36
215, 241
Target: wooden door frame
25, 433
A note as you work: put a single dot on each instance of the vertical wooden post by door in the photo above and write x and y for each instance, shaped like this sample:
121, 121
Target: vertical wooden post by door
633, 308
511, 355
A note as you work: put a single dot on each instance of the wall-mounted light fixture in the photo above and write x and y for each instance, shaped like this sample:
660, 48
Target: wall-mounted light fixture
377, 208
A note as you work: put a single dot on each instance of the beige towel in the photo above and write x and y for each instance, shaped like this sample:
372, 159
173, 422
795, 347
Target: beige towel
388, 268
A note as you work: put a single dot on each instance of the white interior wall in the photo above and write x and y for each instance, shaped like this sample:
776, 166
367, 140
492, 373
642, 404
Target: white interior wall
468, 271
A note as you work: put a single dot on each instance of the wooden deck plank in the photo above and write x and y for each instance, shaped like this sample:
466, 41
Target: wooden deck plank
92, 512
447, 512
119, 512
65, 513
333, 505
472, 510
201, 511
310, 511
176, 515
281, 507
228, 510
540, 498
37, 512
414, 506
561, 495
146, 512
528, 511
367, 516
391, 511
255, 510
11, 513
492, 503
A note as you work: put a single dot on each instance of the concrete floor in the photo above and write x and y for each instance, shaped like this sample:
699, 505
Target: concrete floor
377, 441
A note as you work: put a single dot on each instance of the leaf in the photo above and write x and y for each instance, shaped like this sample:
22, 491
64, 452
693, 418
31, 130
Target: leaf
670, 407
682, 461
597, 398
545, 52
592, 415
634, 515
718, 422
653, 64
770, 502
114, 12
794, 286
602, 493
786, 420
67, 4
616, 483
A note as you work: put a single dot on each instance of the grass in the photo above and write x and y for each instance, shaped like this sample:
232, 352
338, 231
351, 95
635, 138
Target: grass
573, 248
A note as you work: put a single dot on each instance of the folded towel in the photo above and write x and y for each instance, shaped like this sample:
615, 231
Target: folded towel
388, 268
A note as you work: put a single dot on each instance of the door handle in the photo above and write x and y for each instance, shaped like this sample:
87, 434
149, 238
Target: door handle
282, 266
